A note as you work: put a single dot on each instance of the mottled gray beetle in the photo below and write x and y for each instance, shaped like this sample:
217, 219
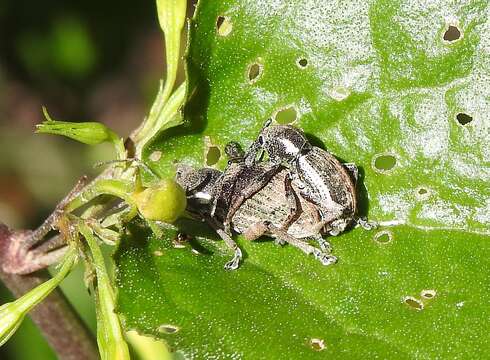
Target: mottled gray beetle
254, 200
213, 196
318, 175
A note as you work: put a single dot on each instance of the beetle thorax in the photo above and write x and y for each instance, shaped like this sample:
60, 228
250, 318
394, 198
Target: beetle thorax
283, 143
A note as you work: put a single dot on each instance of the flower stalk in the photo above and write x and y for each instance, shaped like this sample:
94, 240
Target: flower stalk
110, 338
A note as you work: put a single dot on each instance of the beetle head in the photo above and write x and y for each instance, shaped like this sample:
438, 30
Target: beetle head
194, 181
283, 143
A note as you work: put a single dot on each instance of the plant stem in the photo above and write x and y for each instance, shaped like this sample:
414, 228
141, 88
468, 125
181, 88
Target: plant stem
164, 120
110, 337
119, 188
60, 324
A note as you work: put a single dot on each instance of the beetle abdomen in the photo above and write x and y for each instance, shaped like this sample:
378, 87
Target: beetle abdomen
271, 204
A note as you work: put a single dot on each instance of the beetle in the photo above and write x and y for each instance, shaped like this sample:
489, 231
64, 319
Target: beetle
212, 193
255, 200
319, 176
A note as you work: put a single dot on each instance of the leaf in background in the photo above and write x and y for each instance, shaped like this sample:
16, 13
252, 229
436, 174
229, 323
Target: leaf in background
399, 88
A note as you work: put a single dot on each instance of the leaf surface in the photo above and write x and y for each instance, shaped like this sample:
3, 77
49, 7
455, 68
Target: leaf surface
376, 84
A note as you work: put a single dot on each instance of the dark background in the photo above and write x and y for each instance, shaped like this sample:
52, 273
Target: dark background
85, 61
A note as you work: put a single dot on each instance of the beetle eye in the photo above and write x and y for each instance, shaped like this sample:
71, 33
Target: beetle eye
261, 140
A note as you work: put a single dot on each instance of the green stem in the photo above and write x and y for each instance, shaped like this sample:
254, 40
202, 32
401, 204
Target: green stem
110, 338
37, 294
119, 188
166, 118
118, 143
12, 313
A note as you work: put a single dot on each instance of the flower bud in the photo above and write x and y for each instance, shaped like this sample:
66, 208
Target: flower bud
90, 133
164, 201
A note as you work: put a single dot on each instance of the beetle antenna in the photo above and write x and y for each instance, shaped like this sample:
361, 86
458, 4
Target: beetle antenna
267, 123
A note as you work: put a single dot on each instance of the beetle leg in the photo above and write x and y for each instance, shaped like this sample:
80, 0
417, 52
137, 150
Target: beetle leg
327, 215
234, 263
324, 258
255, 231
324, 244
366, 224
249, 191
294, 203
225, 234
251, 157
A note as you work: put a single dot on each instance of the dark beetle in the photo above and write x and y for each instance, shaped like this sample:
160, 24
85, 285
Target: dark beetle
300, 192
214, 196
254, 200
318, 175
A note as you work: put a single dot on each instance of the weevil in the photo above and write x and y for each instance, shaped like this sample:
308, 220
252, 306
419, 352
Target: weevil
319, 176
254, 200
213, 196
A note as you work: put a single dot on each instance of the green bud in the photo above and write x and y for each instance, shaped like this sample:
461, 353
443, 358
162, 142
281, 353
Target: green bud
90, 133
164, 201
12, 313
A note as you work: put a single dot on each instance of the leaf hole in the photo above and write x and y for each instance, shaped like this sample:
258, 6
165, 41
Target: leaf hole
223, 25
302, 63
463, 118
452, 34
213, 155
286, 115
384, 162
422, 193
383, 237
317, 344
413, 303
339, 93
428, 294
168, 329
155, 155
254, 72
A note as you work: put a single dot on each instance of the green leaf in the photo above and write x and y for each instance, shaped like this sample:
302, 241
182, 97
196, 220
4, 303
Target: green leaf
279, 299
379, 84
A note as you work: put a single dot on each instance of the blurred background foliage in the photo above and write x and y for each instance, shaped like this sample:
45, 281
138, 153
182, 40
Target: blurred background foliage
83, 60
